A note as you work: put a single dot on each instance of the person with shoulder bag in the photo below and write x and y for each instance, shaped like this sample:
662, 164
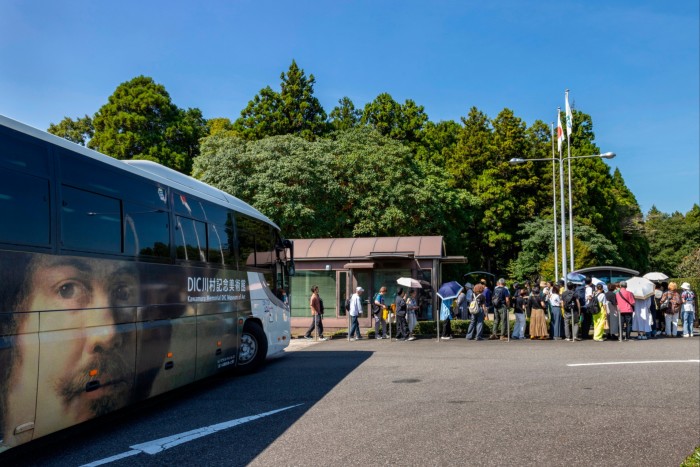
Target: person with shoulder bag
671, 306
378, 308
477, 308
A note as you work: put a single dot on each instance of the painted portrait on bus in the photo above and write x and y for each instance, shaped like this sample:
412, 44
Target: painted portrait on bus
89, 316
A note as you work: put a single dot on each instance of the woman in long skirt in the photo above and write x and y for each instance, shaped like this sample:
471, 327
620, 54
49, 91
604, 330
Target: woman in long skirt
538, 322
642, 318
412, 306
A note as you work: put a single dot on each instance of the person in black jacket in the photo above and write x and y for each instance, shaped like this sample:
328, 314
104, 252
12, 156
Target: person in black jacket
572, 311
401, 310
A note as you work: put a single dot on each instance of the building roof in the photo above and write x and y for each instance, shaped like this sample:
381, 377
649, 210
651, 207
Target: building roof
368, 247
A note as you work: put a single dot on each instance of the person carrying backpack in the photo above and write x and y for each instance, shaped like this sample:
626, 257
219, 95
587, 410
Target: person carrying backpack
477, 307
572, 312
671, 305
501, 302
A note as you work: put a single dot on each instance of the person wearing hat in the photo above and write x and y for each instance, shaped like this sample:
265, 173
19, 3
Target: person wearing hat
688, 309
355, 312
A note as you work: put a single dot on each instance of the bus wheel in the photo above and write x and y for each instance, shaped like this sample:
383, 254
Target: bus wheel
253, 348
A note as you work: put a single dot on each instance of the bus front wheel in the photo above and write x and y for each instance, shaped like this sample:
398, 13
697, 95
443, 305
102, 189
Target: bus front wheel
253, 348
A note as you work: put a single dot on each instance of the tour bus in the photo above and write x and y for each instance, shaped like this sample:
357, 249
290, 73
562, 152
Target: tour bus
121, 280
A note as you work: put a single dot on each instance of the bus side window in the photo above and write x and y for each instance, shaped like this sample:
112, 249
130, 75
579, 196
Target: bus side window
146, 231
190, 239
90, 222
24, 209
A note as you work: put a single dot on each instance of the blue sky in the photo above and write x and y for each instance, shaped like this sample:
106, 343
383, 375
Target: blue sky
632, 65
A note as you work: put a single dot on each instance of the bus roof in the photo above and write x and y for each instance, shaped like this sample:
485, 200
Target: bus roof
147, 169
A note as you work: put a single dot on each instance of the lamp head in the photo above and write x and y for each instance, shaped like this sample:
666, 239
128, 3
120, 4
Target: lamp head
517, 160
608, 155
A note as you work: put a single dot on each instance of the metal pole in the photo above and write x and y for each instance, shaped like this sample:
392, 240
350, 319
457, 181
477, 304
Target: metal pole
554, 208
563, 219
571, 206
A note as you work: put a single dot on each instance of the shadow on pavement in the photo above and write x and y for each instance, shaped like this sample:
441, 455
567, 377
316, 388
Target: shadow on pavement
301, 378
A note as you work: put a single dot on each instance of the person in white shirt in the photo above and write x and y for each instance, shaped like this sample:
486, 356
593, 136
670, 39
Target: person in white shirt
355, 312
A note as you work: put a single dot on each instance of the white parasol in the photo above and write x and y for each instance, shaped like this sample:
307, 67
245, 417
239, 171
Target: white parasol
409, 282
640, 287
656, 276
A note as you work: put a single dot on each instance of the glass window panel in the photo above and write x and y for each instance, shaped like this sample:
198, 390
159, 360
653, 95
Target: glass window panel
146, 231
220, 244
21, 152
90, 222
24, 209
190, 239
81, 171
301, 291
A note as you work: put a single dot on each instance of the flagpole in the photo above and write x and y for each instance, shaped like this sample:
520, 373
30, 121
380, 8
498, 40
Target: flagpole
563, 219
554, 208
569, 126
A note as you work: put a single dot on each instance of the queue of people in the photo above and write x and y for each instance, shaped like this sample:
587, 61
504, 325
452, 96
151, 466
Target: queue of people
556, 311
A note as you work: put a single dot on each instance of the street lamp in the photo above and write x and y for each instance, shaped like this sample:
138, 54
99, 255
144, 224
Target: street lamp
518, 160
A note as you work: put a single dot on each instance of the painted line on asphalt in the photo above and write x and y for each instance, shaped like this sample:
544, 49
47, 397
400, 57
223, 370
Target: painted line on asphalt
158, 445
633, 363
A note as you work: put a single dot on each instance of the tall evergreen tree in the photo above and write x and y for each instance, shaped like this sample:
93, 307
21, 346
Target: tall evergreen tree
139, 121
293, 111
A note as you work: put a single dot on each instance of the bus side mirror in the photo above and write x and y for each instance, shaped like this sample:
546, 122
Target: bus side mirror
291, 270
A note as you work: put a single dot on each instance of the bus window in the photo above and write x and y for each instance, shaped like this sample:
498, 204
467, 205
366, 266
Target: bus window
17, 152
90, 222
146, 231
190, 239
24, 209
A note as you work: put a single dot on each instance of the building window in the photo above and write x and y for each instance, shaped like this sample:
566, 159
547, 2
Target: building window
301, 292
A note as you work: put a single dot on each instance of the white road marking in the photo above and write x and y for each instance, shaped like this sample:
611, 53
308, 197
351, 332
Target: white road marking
633, 363
157, 445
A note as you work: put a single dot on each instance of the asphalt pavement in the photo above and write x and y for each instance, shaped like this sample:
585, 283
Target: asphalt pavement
380, 402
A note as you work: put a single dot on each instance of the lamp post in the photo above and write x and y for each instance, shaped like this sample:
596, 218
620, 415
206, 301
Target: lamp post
518, 160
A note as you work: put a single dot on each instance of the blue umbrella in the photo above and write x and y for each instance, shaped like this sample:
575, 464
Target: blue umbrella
449, 290
575, 277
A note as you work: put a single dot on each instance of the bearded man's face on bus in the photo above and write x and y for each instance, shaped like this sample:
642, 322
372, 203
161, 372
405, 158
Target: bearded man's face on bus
89, 338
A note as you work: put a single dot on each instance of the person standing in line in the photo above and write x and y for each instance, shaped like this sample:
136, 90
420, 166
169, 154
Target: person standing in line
316, 305
641, 322
538, 322
488, 296
520, 311
446, 318
501, 303
378, 312
556, 310
572, 310
688, 309
599, 310
625, 306
587, 306
401, 310
612, 314
671, 299
476, 321
659, 321
411, 306
355, 313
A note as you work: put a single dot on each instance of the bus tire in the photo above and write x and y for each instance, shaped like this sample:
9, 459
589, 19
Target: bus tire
253, 348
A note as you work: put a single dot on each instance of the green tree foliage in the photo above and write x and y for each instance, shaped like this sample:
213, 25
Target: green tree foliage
293, 111
140, 121
344, 116
358, 183
220, 125
672, 237
78, 131
403, 123
438, 143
